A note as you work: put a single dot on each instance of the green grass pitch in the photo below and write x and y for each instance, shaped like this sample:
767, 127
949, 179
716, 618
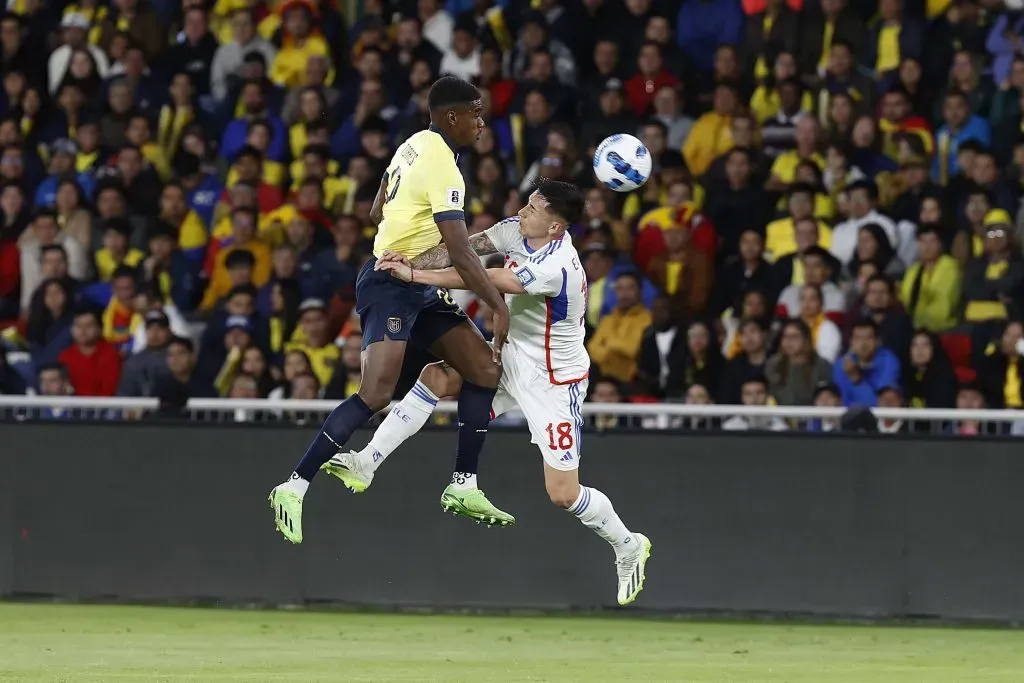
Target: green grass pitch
83, 643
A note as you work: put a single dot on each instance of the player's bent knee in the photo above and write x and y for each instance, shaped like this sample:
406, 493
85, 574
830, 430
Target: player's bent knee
486, 374
441, 379
563, 489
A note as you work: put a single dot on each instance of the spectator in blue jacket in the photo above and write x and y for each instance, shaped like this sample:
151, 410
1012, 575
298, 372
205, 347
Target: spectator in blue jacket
63, 153
867, 368
704, 25
960, 126
254, 106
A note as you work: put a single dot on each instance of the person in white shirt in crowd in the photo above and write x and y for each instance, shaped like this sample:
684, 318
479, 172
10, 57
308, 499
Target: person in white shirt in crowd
45, 230
862, 200
75, 34
817, 273
462, 58
754, 392
668, 106
229, 59
436, 22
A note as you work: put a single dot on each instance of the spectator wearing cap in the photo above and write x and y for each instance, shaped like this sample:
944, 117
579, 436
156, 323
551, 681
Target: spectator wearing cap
144, 370
705, 25
862, 210
75, 36
867, 368
684, 272
826, 395
993, 283
959, 125
534, 36
93, 364
650, 77
116, 250
42, 232
1001, 370
227, 65
711, 135
63, 154
236, 339
300, 40
462, 59
796, 369
928, 376
932, 287
891, 38
120, 318
817, 272
313, 339
253, 104
615, 346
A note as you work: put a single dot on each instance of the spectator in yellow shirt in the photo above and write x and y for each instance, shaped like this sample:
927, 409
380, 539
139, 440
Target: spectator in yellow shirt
783, 173
615, 347
140, 134
780, 235
243, 233
931, 287
116, 250
316, 343
711, 135
300, 40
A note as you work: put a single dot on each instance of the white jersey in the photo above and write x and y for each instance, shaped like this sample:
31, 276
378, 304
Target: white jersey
547, 322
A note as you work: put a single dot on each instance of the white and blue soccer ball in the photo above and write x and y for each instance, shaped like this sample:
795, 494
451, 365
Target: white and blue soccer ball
622, 163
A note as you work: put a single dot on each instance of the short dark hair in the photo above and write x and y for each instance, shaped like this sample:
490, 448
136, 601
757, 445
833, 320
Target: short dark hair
240, 258
755, 379
929, 229
322, 151
118, 224
248, 211
264, 123
564, 199
250, 290
450, 90
44, 213
632, 275
47, 367
971, 145
802, 188
183, 341
123, 271
820, 252
53, 248
91, 312
884, 279
249, 151
866, 323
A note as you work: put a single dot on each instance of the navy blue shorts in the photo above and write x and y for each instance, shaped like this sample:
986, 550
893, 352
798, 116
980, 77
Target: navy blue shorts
403, 311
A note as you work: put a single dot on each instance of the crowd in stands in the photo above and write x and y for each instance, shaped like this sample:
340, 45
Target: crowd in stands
833, 218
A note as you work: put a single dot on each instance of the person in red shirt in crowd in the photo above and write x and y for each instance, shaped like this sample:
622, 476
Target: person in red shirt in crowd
249, 165
652, 76
94, 365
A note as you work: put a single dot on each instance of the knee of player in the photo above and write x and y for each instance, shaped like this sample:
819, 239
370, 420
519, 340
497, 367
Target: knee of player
375, 397
562, 493
441, 380
487, 374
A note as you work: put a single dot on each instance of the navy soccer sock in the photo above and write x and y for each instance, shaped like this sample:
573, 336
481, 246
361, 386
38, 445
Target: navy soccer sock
474, 416
350, 415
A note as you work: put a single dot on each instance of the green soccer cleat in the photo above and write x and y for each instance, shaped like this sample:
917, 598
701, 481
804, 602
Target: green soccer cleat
287, 507
632, 570
346, 467
473, 503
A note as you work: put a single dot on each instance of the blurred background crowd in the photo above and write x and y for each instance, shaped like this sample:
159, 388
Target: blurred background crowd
833, 218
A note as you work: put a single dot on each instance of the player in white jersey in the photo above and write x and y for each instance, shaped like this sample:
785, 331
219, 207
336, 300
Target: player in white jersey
544, 366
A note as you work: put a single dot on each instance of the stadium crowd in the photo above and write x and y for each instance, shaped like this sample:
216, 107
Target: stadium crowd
833, 217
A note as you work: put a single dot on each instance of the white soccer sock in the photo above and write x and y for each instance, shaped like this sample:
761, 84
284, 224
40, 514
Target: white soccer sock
463, 480
596, 512
405, 419
295, 484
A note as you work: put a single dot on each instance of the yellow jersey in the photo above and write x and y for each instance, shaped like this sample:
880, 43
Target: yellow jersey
423, 188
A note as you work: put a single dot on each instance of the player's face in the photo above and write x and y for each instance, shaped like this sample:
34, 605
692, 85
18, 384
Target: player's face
535, 220
467, 124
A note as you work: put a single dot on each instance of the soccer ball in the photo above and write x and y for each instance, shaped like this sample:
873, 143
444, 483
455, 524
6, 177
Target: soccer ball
622, 163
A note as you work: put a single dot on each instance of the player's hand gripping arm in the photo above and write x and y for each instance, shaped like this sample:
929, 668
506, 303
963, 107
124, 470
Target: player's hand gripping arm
467, 263
502, 278
437, 257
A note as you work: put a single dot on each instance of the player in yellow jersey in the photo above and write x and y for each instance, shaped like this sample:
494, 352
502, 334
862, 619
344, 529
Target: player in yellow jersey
419, 205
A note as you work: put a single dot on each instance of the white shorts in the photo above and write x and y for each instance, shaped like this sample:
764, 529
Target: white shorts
554, 412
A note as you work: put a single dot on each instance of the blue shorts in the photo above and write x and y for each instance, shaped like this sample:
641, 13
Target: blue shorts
391, 309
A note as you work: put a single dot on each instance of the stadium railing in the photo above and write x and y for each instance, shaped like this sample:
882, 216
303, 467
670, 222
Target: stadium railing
600, 416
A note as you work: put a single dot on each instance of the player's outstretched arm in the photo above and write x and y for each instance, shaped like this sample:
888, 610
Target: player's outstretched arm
438, 257
504, 279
